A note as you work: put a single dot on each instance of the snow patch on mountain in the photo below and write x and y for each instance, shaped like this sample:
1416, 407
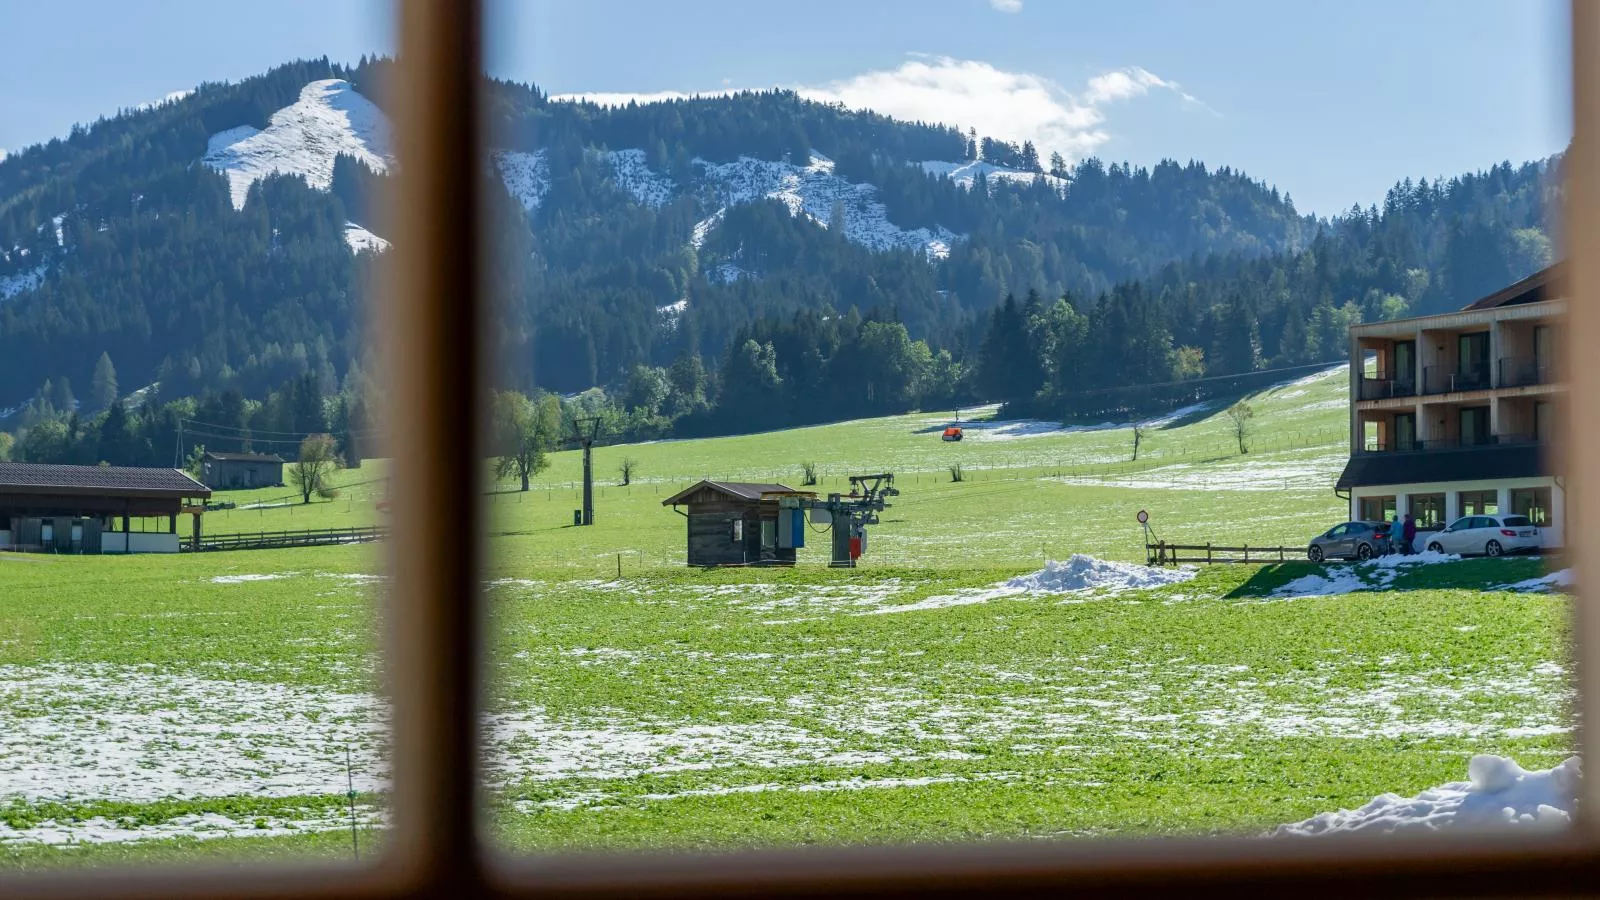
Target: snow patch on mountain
812, 191
12, 285
702, 228
726, 273
964, 173
634, 175
526, 175
363, 241
329, 120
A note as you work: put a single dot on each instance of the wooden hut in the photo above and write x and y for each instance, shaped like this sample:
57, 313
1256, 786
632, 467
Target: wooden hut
735, 523
241, 471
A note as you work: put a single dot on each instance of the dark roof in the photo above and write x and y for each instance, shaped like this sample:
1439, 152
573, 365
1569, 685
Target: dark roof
245, 457
1426, 467
742, 490
1532, 289
120, 481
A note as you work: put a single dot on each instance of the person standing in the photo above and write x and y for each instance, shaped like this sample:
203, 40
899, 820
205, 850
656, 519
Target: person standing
1395, 528
1408, 534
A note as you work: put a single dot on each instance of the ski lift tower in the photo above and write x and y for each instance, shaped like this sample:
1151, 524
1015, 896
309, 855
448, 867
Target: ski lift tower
850, 515
588, 429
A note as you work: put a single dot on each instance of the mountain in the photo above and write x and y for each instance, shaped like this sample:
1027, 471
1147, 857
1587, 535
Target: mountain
225, 240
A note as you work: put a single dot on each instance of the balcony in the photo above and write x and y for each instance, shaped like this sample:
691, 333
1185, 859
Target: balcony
1451, 379
1520, 371
1389, 445
1384, 386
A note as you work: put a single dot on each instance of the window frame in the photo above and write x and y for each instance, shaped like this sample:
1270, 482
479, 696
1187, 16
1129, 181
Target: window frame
436, 846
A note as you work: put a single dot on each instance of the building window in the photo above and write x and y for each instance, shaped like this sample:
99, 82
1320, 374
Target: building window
1480, 503
1542, 422
1427, 510
1474, 425
1377, 509
1533, 503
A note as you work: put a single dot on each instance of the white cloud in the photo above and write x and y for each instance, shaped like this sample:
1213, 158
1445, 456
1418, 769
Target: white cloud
1007, 6
1012, 106
2, 154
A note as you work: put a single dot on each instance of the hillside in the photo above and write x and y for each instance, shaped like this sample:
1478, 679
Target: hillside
224, 240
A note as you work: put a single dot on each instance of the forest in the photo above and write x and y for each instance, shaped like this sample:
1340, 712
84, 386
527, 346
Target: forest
1064, 297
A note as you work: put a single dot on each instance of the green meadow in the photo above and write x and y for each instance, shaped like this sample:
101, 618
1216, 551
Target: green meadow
213, 706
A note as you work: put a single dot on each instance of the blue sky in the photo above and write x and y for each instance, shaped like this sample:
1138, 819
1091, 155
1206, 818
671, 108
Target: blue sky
1332, 102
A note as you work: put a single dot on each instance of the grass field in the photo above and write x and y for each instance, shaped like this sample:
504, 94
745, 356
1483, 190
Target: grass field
151, 702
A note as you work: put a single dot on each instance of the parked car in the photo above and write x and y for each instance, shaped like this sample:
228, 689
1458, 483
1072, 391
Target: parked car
1352, 540
1488, 535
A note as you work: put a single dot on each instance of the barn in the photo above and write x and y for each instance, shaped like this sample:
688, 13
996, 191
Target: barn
96, 509
736, 523
241, 471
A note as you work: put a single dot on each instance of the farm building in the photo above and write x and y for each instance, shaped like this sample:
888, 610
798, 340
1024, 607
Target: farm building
238, 471
733, 523
95, 509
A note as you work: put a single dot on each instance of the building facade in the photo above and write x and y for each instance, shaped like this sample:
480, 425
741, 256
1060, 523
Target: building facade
1458, 414
241, 471
733, 523
96, 509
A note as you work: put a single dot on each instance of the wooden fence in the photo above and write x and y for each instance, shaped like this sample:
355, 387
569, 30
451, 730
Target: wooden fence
261, 540
1165, 554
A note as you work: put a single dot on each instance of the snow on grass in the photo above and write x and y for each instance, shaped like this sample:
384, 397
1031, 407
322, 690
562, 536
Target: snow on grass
363, 241
194, 826
1081, 574
1313, 468
1555, 581
1498, 794
329, 120
964, 173
635, 176
21, 282
812, 191
1373, 575
526, 175
251, 577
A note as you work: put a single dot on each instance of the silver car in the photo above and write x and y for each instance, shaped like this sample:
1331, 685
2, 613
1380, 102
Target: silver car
1488, 535
1352, 540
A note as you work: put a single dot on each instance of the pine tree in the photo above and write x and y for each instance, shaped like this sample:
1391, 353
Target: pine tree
103, 388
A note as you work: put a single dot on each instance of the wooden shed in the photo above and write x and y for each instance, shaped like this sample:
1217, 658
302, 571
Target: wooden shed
241, 471
96, 509
735, 523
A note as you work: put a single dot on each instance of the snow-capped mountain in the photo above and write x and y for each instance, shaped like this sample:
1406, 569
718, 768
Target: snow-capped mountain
303, 139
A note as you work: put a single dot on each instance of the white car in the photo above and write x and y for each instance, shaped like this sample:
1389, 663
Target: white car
1488, 535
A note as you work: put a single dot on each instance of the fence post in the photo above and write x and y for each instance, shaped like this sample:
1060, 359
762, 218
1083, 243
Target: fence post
1246, 552
1208, 552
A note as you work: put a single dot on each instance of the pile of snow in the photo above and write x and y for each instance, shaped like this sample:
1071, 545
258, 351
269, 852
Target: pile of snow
363, 241
1086, 573
635, 176
965, 172
1555, 581
1499, 793
812, 191
329, 120
1373, 575
526, 175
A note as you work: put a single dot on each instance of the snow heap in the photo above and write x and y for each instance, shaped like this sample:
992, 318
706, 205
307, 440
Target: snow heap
1500, 793
812, 191
329, 120
965, 172
1555, 581
526, 175
1086, 573
361, 240
1373, 575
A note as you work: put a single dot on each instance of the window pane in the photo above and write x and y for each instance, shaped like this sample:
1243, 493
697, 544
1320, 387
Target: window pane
192, 462
717, 303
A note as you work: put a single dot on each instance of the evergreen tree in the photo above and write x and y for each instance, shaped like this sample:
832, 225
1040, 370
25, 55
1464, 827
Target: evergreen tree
103, 390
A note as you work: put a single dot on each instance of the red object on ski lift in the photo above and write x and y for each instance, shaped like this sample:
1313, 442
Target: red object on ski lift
951, 434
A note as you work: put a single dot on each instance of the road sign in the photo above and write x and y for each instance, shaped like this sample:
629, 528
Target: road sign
1144, 517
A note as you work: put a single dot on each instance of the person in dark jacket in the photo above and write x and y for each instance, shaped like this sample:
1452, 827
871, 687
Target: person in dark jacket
1408, 534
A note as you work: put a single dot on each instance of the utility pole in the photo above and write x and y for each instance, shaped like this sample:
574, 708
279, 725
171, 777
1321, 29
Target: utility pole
588, 429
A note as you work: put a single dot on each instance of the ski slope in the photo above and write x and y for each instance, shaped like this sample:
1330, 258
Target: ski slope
329, 120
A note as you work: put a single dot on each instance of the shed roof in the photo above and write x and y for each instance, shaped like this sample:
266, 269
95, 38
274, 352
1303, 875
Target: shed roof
244, 457
1464, 464
119, 481
1541, 285
740, 490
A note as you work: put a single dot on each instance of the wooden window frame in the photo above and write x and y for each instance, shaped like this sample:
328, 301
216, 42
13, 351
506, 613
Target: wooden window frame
437, 844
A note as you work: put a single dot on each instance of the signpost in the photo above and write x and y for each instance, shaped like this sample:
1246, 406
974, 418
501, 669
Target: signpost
1144, 522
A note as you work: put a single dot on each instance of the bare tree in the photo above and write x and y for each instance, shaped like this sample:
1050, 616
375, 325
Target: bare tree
626, 470
808, 471
1138, 438
1242, 417
956, 474
319, 456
